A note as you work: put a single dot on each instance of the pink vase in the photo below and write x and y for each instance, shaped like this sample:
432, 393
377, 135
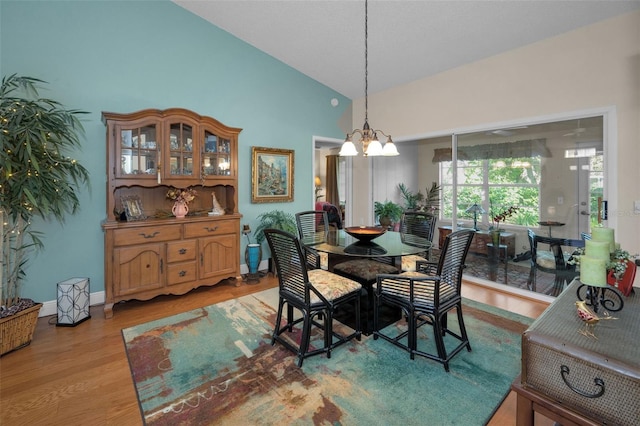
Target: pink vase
180, 209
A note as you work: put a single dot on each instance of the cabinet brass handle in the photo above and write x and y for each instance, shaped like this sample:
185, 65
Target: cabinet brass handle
182, 251
182, 273
149, 235
210, 229
564, 371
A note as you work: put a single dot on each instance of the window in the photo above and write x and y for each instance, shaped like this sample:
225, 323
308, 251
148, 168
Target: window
496, 185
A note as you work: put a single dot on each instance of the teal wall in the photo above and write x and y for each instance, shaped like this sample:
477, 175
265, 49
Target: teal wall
126, 56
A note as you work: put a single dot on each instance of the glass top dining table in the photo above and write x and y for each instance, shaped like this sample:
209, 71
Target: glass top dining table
338, 242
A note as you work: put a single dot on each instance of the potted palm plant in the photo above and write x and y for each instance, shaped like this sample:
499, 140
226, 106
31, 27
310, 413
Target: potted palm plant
37, 179
411, 200
387, 212
276, 219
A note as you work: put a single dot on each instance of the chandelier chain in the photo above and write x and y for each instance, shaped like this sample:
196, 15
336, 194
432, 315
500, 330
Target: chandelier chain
366, 62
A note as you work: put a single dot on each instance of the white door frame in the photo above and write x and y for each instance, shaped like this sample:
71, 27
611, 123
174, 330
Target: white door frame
348, 173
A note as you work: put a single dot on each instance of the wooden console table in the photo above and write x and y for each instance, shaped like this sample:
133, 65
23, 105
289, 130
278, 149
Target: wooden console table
481, 239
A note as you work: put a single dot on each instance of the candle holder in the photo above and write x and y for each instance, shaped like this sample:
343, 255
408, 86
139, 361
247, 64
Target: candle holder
596, 297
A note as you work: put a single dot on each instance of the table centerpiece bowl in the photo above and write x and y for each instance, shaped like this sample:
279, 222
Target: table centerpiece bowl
365, 233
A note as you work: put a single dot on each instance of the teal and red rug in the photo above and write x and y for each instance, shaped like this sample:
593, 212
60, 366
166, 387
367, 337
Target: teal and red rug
215, 365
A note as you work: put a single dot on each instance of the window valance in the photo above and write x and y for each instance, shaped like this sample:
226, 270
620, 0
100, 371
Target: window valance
518, 149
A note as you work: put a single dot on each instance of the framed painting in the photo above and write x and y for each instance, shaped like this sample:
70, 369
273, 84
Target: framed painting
271, 175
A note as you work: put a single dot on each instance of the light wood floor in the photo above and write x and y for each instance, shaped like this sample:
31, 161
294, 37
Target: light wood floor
80, 375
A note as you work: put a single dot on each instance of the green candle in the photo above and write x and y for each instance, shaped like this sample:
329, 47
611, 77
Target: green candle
604, 234
593, 271
597, 249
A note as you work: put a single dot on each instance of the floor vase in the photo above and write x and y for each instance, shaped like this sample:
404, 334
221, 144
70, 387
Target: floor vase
252, 257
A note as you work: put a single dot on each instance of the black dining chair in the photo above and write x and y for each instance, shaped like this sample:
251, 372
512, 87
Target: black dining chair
552, 260
417, 229
315, 293
313, 227
426, 296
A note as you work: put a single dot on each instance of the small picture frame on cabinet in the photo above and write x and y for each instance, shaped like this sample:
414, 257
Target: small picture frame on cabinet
133, 208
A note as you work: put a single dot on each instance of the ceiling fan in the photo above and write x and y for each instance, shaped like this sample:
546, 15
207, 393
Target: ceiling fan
577, 131
505, 132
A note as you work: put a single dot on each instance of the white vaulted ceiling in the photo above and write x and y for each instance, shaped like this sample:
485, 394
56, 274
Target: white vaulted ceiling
408, 40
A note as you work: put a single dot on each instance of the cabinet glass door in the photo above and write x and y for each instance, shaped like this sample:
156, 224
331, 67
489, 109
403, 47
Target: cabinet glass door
181, 150
138, 152
216, 158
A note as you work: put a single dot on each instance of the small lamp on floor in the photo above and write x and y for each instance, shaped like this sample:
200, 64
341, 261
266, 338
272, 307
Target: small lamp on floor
475, 209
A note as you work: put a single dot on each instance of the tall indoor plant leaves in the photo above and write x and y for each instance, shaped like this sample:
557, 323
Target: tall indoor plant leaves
36, 177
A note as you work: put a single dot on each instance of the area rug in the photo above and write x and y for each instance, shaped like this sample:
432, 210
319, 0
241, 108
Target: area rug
215, 365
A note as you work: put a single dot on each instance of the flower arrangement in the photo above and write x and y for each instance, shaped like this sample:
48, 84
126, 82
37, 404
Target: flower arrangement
182, 195
496, 219
617, 264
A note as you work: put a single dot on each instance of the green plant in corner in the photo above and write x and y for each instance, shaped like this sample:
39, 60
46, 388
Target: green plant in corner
419, 202
387, 212
432, 199
411, 201
36, 179
277, 219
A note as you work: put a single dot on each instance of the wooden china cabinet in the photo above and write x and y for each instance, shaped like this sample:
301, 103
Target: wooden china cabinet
148, 251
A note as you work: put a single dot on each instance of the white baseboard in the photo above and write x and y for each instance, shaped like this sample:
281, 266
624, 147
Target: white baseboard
51, 307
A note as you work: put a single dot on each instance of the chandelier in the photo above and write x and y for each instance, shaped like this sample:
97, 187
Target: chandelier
371, 146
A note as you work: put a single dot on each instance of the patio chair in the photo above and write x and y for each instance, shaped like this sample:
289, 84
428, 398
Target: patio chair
315, 293
417, 229
426, 297
552, 261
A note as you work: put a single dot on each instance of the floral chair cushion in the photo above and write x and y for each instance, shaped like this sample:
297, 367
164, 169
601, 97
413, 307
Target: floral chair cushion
330, 285
364, 269
409, 262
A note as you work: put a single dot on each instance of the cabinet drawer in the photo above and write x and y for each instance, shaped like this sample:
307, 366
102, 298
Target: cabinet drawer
150, 234
181, 251
210, 228
181, 272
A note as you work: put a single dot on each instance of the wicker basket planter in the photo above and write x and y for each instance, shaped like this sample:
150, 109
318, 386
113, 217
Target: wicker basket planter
16, 331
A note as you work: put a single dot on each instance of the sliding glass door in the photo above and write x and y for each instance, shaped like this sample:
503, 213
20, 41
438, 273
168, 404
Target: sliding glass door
552, 173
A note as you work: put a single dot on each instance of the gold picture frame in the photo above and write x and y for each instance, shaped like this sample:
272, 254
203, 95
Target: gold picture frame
133, 208
271, 175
